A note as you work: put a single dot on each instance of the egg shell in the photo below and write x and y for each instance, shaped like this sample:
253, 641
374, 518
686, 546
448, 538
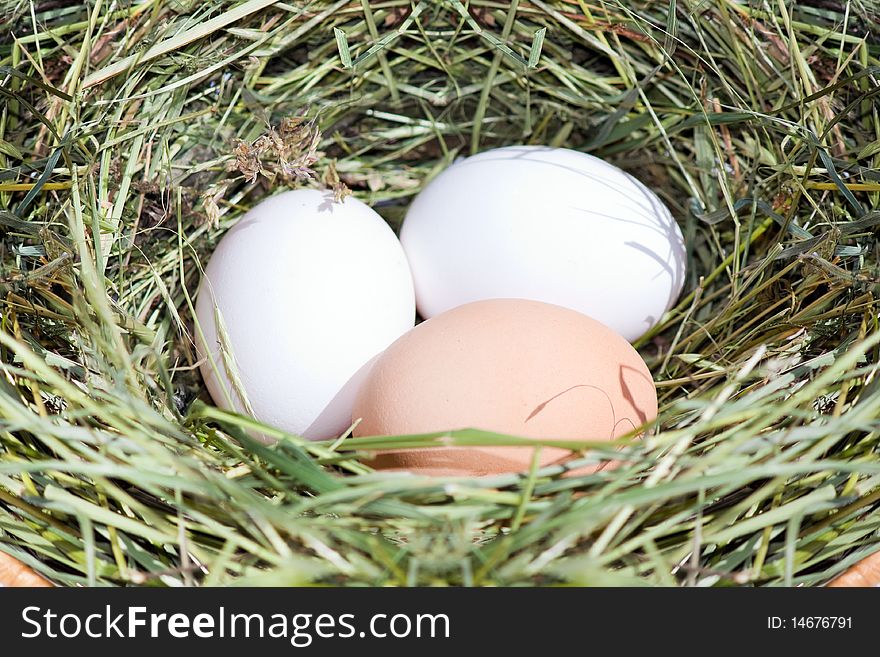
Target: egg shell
548, 224
309, 290
511, 366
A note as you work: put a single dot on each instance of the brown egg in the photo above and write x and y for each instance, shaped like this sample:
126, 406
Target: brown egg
512, 366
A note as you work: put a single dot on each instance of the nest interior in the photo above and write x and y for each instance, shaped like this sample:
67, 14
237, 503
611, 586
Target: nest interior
133, 135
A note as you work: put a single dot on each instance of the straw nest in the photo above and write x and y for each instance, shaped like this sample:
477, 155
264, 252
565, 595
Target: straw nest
133, 135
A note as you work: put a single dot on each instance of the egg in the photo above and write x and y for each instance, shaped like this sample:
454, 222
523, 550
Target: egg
513, 366
548, 224
308, 291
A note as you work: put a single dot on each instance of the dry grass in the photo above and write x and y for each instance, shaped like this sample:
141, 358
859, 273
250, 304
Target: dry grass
133, 135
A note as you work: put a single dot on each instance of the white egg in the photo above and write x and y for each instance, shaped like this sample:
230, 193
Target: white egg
309, 291
547, 224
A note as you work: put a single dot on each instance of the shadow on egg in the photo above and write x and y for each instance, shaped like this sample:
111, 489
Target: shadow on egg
328, 421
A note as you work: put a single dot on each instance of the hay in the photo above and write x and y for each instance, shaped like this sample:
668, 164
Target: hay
130, 136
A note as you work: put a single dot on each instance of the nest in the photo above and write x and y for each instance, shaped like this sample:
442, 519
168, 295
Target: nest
134, 135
